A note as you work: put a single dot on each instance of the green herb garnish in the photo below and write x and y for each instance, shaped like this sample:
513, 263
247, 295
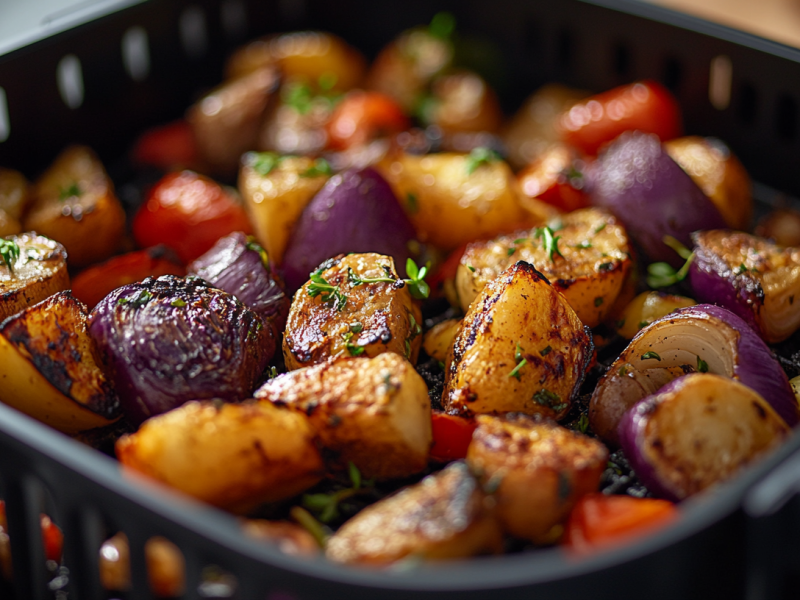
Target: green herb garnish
253, 245
73, 190
178, 303
550, 242
319, 168
356, 327
142, 298
661, 274
471, 268
510, 251
411, 202
418, 288
330, 294
584, 245
9, 253
481, 156
545, 351
583, 423
442, 25
546, 398
702, 366
264, 163
326, 506
521, 362
598, 301
650, 355
600, 228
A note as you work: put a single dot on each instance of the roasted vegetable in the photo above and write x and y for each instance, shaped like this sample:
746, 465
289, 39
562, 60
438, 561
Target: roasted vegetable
539, 470
453, 199
165, 566
452, 436
700, 338
373, 412
73, 202
48, 370
189, 213
226, 123
169, 340
585, 256
751, 277
714, 168
234, 456
521, 348
362, 116
239, 266
168, 147
32, 267
698, 430
646, 308
781, 225
352, 306
439, 339
445, 516
355, 211
556, 177
13, 201
276, 189
653, 197
461, 101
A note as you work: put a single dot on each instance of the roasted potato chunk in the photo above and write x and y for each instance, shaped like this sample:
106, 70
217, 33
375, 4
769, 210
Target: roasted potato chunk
234, 456
37, 271
373, 412
521, 348
589, 268
276, 189
48, 371
354, 319
453, 199
13, 199
74, 203
439, 339
227, 121
542, 469
446, 515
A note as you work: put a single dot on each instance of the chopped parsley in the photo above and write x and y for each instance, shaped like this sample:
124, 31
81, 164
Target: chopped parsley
9, 253
264, 163
178, 303
319, 168
253, 245
651, 355
481, 156
330, 294
550, 242
548, 399
138, 301
73, 190
702, 366
521, 362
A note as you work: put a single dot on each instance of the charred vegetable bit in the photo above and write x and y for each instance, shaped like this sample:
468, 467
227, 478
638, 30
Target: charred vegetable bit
550, 242
481, 156
9, 253
521, 362
330, 294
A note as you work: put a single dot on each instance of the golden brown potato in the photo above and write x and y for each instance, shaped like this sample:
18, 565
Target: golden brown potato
359, 320
444, 516
234, 456
646, 308
373, 412
439, 339
227, 121
39, 271
521, 348
275, 190
48, 371
463, 101
453, 199
539, 468
590, 267
532, 129
74, 203
714, 168
781, 225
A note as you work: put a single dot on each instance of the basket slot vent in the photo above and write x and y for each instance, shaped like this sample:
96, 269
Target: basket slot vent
621, 60
5, 123
748, 104
786, 118
233, 14
69, 76
719, 82
292, 11
672, 75
83, 534
25, 500
193, 32
136, 53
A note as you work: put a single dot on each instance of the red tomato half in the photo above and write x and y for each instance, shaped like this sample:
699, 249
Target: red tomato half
451, 436
168, 147
189, 213
556, 177
645, 106
363, 116
94, 284
599, 521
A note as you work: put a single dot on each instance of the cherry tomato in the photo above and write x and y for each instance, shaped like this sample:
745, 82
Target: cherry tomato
363, 116
645, 106
446, 272
168, 147
599, 521
189, 213
94, 284
451, 436
52, 537
556, 177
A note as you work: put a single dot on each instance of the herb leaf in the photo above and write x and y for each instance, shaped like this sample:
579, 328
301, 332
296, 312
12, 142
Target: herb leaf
330, 294
481, 156
661, 274
319, 168
442, 25
702, 366
137, 301
264, 163
73, 190
9, 253
550, 242
521, 362
650, 355
253, 245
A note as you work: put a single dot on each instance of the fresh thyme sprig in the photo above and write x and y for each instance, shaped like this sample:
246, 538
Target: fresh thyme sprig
326, 506
415, 282
550, 242
481, 156
661, 274
9, 253
331, 294
521, 362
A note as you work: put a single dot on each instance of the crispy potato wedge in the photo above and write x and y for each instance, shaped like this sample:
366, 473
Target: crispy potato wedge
48, 370
521, 348
542, 469
444, 516
74, 203
234, 456
275, 190
452, 201
226, 122
590, 271
39, 272
439, 339
359, 320
373, 412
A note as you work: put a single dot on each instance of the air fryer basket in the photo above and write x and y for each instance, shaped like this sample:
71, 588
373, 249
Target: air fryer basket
740, 541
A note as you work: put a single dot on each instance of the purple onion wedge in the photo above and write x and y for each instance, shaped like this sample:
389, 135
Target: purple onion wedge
169, 340
356, 211
698, 430
750, 276
649, 192
700, 338
238, 265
